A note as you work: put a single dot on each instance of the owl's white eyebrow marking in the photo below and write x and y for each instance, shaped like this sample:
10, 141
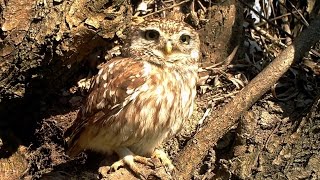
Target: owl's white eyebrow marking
151, 28
184, 32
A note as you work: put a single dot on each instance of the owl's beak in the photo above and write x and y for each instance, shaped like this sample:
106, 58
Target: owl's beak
168, 47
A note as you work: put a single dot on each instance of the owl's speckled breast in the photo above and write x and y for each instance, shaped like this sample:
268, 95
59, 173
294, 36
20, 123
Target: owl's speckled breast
156, 110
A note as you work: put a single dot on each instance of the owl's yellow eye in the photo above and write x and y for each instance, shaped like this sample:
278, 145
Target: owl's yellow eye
152, 35
185, 39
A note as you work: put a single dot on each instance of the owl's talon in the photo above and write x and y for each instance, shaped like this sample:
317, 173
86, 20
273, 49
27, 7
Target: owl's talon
115, 166
144, 160
160, 154
128, 160
104, 170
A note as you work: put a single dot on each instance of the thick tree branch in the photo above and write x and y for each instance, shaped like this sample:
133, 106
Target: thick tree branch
223, 120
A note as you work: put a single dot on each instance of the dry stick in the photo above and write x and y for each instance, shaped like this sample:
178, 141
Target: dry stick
268, 36
223, 120
276, 18
302, 20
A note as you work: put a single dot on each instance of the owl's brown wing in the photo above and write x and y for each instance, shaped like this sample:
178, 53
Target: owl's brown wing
112, 88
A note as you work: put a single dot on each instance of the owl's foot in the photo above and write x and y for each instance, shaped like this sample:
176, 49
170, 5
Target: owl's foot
129, 159
160, 154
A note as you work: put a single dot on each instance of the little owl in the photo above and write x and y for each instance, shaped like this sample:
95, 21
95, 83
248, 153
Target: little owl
138, 100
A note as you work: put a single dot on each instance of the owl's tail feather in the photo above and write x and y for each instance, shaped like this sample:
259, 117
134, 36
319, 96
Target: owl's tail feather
72, 135
74, 150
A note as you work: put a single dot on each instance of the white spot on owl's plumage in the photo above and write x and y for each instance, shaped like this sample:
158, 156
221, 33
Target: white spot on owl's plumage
97, 79
185, 95
134, 95
104, 77
170, 97
129, 91
144, 87
100, 72
159, 90
101, 104
111, 65
146, 69
111, 93
195, 54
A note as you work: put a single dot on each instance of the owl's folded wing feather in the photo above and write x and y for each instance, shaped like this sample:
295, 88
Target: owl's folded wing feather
117, 82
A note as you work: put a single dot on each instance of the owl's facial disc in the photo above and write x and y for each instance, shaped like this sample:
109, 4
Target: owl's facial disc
166, 45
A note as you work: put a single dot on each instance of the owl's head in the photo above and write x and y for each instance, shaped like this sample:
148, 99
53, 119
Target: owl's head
163, 42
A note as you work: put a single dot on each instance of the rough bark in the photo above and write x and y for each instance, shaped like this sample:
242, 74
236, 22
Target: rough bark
223, 32
47, 41
44, 46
